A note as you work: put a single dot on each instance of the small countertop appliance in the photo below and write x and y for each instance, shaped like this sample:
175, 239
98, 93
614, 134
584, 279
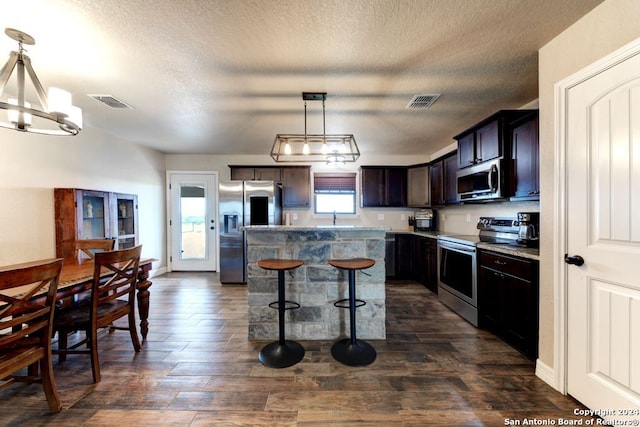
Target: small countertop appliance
529, 229
425, 220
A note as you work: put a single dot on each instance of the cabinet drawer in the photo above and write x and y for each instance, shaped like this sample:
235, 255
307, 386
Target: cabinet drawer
517, 267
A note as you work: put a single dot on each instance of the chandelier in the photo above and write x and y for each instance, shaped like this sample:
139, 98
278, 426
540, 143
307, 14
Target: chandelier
55, 112
332, 149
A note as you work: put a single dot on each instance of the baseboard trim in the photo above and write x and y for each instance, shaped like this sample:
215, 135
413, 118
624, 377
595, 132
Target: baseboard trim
547, 374
157, 272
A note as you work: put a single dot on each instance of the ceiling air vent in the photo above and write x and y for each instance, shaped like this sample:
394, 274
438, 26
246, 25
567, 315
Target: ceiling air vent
422, 102
112, 101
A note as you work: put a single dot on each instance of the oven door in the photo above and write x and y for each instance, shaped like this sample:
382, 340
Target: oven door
457, 269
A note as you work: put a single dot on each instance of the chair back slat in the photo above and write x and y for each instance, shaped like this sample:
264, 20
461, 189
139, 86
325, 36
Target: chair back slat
89, 247
123, 265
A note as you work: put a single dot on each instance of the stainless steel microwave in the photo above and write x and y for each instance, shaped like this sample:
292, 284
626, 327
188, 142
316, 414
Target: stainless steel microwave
482, 182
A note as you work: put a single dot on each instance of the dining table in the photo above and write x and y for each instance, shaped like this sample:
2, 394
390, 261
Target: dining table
76, 277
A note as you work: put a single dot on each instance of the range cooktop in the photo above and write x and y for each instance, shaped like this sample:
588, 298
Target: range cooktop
503, 231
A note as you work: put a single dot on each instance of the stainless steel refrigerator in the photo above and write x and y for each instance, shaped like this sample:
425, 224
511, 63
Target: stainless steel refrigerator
243, 203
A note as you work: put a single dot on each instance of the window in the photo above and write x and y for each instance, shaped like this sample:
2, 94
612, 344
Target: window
334, 192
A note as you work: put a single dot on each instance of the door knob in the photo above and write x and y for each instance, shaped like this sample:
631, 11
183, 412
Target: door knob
574, 260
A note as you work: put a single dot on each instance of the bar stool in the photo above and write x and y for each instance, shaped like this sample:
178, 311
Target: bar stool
281, 353
352, 351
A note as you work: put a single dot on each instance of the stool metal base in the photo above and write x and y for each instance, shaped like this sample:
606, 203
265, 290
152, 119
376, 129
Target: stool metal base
276, 355
359, 354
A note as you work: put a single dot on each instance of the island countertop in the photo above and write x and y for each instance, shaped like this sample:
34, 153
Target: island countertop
315, 285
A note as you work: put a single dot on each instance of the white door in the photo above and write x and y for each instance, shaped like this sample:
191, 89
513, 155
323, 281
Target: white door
192, 221
603, 227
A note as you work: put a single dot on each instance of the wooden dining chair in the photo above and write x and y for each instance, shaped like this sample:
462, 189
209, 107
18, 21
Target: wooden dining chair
89, 247
27, 297
113, 295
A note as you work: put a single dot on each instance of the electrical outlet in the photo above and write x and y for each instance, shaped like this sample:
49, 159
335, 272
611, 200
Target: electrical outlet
294, 215
380, 217
403, 217
468, 217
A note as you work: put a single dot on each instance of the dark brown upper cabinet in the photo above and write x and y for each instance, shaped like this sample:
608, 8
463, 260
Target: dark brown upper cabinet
525, 158
488, 139
383, 186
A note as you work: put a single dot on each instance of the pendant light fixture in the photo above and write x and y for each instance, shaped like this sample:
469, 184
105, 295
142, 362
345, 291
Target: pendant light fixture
54, 110
333, 148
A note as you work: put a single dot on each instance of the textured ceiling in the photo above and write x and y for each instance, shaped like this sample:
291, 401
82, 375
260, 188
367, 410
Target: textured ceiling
225, 76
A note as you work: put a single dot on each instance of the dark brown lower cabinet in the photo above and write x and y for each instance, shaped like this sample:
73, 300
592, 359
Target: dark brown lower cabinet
416, 259
404, 256
508, 300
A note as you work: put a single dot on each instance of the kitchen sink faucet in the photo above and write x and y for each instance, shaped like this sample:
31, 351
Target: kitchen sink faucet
334, 217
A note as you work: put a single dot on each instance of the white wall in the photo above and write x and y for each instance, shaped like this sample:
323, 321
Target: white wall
31, 166
606, 28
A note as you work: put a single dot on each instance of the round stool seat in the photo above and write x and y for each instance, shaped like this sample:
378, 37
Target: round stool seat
279, 264
352, 263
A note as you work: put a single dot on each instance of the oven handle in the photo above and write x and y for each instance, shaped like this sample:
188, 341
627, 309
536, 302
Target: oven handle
456, 247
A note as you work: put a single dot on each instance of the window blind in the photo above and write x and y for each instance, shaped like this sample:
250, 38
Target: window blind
334, 183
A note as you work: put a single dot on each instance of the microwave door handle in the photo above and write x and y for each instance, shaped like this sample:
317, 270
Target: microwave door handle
492, 170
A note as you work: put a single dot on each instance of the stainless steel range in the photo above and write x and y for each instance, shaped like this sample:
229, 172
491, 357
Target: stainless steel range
458, 268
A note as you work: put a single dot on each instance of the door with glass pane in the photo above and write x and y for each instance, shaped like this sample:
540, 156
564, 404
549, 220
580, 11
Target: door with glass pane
192, 221
93, 209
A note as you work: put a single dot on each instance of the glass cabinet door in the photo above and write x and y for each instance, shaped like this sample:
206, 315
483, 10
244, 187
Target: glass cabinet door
94, 212
126, 215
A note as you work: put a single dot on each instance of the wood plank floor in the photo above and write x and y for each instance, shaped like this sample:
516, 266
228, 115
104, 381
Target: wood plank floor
197, 368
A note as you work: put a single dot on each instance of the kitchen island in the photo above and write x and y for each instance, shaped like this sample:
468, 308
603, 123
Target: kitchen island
315, 285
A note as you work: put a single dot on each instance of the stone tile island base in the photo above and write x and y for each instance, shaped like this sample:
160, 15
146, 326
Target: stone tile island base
315, 285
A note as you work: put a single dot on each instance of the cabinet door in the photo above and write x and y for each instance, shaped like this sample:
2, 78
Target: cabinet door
296, 187
526, 160
418, 265
490, 299
395, 187
466, 150
431, 261
93, 211
450, 180
124, 212
488, 142
268, 174
418, 187
372, 187
404, 256
520, 318
436, 175
242, 174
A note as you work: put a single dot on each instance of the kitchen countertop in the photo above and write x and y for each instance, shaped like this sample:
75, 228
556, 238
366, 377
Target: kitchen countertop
519, 251
530, 253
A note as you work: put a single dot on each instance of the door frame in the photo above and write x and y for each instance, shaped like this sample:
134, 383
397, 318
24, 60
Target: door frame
560, 229
168, 211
